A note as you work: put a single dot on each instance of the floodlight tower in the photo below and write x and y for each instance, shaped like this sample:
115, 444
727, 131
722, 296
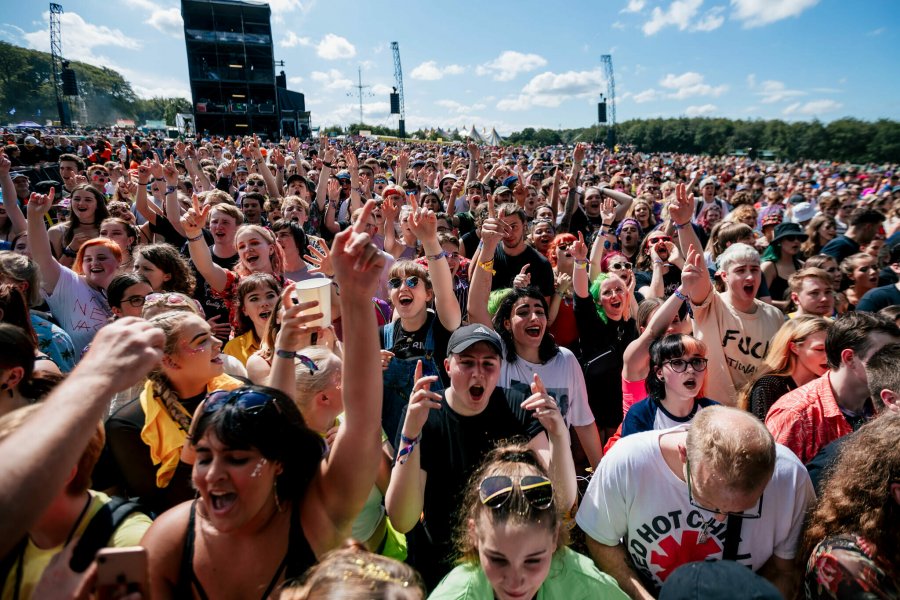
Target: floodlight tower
56, 61
398, 79
611, 98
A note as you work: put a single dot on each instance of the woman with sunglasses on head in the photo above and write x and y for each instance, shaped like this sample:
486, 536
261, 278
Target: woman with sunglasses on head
418, 333
658, 266
674, 385
88, 211
781, 260
512, 541
269, 500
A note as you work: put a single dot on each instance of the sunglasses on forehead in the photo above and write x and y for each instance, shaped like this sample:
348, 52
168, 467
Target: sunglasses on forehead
495, 491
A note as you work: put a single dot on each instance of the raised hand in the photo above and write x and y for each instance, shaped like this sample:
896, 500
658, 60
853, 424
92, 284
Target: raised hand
295, 333
694, 272
170, 172
334, 191
5, 164
156, 169
390, 210
545, 409
523, 279
578, 154
474, 151
124, 352
356, 261
320, 260
422, 222
578, 248
681, 209
39, 204
193, 220
563, 282
608, 211
421, 401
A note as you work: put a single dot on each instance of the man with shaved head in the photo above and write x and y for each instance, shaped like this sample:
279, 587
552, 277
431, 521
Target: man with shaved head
719, 488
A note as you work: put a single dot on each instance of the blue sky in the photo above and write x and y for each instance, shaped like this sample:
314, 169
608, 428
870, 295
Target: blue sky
511, 65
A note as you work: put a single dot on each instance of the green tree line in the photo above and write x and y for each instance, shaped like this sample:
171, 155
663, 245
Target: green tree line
26, 85
846, 140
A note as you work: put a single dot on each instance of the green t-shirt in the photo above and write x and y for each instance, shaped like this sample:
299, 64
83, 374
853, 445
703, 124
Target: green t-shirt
572, 576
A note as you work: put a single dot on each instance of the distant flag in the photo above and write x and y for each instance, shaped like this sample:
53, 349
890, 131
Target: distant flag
12, 111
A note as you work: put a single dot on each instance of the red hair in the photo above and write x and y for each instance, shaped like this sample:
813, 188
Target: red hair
562, 238
608, 257
105, 242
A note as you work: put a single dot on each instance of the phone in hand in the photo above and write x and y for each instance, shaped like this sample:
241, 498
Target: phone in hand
122, 571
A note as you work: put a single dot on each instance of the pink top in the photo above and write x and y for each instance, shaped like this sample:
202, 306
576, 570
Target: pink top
632, 392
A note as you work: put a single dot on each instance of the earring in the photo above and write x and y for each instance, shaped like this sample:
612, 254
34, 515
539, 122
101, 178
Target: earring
275, 489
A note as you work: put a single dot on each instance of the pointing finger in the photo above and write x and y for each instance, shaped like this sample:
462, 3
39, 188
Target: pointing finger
524, 269
360, 225
537, 385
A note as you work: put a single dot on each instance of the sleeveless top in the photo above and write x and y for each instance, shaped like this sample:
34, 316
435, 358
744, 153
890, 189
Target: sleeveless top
297, 560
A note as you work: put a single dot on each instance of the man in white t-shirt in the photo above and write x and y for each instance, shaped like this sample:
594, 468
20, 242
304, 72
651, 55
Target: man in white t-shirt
661, 499
736, 327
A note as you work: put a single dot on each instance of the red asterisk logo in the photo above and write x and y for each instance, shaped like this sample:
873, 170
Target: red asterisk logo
688, 551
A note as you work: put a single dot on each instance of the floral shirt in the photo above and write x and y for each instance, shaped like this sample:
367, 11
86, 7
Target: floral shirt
846, 566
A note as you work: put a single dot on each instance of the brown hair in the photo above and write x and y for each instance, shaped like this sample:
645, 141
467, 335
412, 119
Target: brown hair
813, 244
168, 260
856, 497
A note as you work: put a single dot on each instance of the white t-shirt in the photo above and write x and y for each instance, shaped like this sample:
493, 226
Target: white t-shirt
563, 378
635, 498
736, 342
80, 309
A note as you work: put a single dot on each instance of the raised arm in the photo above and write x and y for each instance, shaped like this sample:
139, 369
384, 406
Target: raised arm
423, 224
637, 357
622, 199
39, 457
474, 155
346, 477
39, 240
492, 231
580, 281
145, 208
328, 156
192, 222
356, 199
13, 210
173, 209
598, 248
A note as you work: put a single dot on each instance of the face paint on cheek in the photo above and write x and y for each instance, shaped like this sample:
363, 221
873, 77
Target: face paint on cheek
257, 470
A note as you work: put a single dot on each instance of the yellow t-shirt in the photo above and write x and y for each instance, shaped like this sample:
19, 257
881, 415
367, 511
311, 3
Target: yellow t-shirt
129, 533
242, 347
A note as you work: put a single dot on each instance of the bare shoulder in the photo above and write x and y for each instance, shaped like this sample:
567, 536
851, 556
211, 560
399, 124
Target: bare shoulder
164, 541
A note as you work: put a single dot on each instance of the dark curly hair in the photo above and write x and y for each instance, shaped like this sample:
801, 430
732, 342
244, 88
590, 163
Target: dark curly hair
857, 495
548, 348
167, 259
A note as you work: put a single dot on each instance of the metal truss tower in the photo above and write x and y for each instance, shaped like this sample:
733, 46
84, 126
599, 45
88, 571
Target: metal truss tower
57, 62
611, 97
398, 79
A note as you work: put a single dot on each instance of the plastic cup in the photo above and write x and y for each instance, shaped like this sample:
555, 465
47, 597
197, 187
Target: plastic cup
316, 289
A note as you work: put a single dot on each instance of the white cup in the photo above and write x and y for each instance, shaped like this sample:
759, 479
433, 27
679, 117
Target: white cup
318, 289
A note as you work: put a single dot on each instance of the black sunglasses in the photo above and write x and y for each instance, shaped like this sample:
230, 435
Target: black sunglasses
496, 490
792, 238
411, 282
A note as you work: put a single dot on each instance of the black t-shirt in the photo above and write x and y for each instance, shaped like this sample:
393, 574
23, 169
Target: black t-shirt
453, 447
169, 233
879, 298
585, 224
470, 241
203, 292
840, 248
671, 280
411, 344
128, 463
508, 267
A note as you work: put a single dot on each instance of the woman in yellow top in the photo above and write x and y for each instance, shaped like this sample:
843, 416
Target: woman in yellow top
255, 300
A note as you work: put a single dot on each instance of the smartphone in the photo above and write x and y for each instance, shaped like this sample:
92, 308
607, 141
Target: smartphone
122, 571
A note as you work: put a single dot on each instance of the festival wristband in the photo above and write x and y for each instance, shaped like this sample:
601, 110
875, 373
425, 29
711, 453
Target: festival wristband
677, 226
409, 445
199, 236
288, 354
488, 266
581, 263
442, 254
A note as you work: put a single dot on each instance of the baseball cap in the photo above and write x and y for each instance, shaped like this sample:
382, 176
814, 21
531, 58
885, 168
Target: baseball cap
343, 175
467, 335
15, 175
796, 199
502, 190
708, 181
717, 579
510, 180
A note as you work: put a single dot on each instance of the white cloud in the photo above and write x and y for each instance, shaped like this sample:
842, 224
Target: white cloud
292, 40
168, 21
680, 14
698, 111
713, 19
81, 38
773, 91
510, 64
459, 108
646, 96
618, 25
551, 89
690, 84
334, 47
331, 80
751, 80
286, 6
762, 12
295, 80
634, 6
878, 31
380, 89
431, 71
812, 108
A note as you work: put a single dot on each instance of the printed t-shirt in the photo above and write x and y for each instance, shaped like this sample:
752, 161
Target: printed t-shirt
648, 415
80, 309
635, 498
737, 342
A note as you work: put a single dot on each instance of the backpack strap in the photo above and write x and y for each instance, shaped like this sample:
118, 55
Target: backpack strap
100, 529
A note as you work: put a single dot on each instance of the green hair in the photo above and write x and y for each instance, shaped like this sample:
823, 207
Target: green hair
595, 294
495, 299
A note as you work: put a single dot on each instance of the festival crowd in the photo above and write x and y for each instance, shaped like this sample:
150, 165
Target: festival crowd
376, 369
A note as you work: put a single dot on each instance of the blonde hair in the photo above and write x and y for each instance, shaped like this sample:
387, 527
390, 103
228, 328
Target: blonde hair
309, 381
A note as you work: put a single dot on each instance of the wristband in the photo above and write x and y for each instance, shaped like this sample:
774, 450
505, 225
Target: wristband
443, 254
681, 296
581, 263
329, 165
170, 189
69, 252
289, 354
488, 266
199, 236
677, 226
407, 449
